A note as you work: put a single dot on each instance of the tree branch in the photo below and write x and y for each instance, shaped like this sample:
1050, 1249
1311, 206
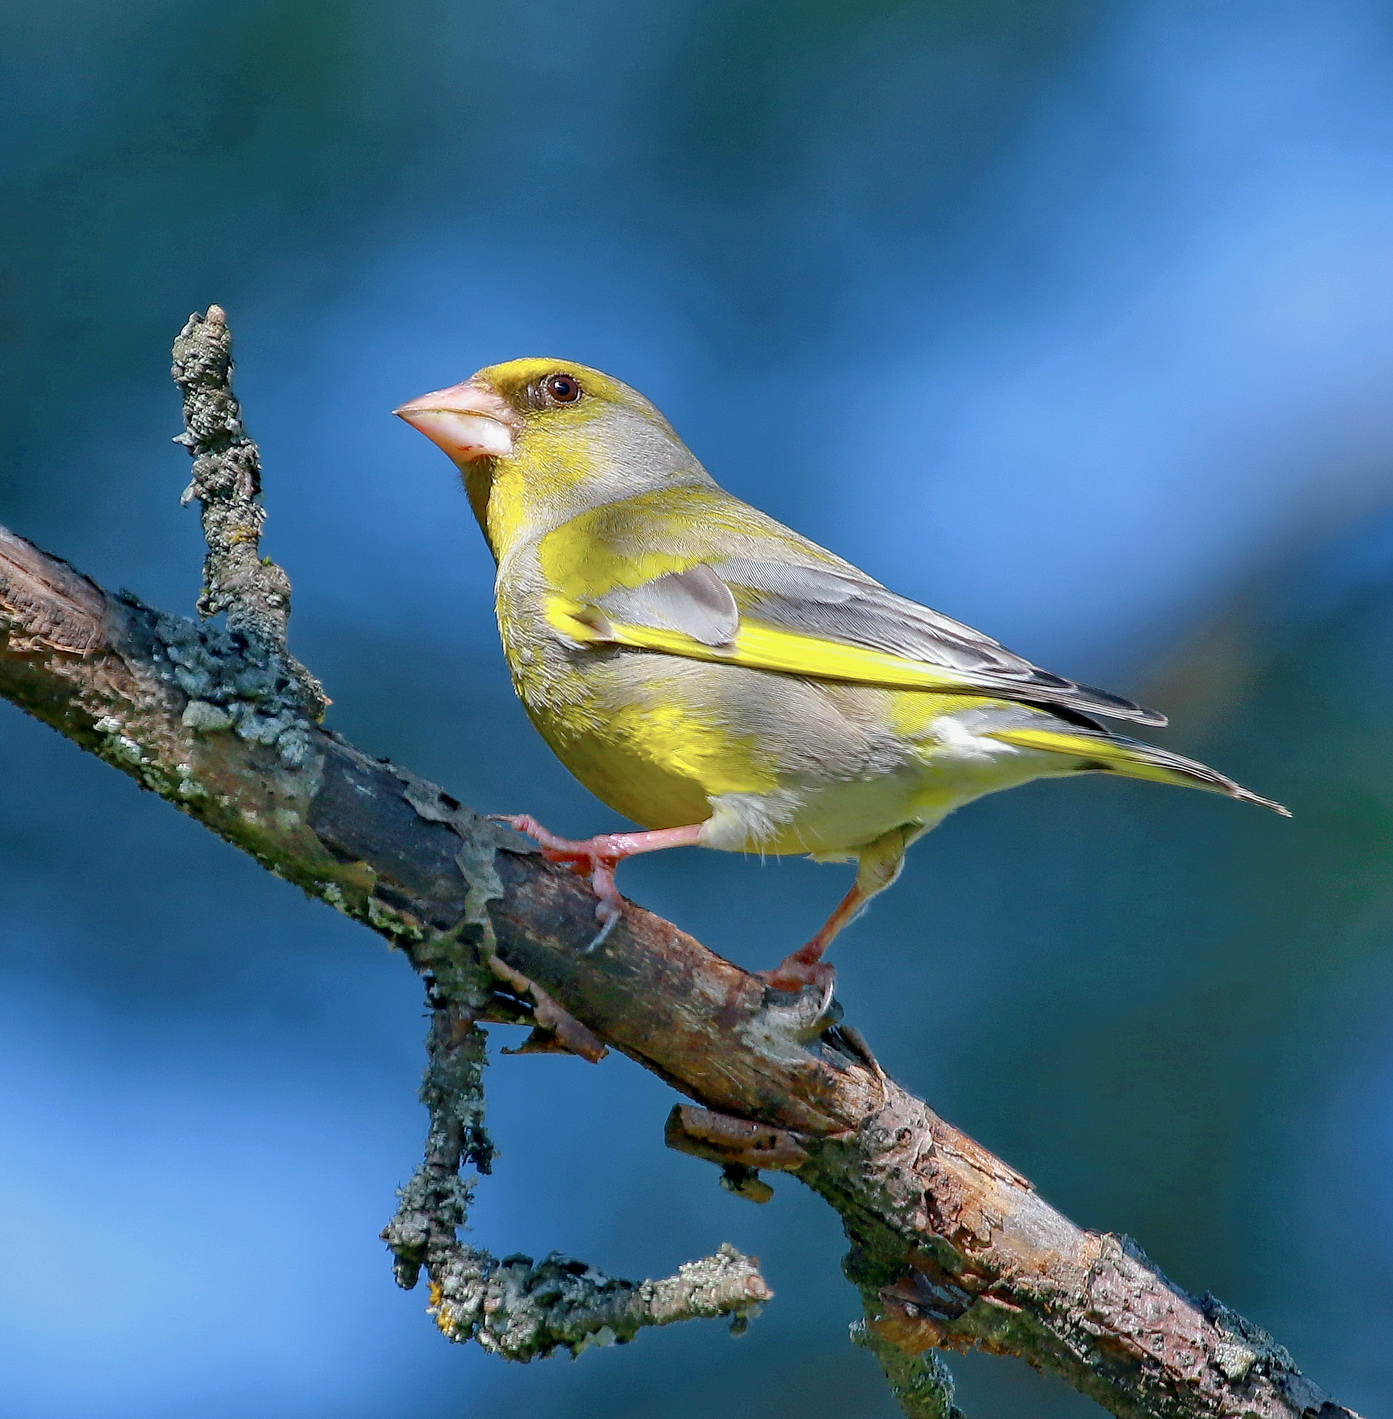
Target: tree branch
950, 1247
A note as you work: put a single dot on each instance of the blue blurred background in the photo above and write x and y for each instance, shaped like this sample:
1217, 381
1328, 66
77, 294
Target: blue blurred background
1074, 320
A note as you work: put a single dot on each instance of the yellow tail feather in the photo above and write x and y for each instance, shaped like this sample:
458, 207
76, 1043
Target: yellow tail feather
1132, 758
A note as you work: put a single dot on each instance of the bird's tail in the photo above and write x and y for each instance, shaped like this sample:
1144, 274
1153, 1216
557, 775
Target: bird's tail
1114, 754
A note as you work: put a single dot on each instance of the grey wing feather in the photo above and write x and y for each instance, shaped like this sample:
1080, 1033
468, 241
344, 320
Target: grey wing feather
696, 602
850, 607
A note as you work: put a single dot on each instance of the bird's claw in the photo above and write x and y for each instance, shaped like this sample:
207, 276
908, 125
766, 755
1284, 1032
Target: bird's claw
608, 916
795, 974
585, 859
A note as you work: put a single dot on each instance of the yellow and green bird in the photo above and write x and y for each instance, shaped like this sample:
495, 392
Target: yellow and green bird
722, 681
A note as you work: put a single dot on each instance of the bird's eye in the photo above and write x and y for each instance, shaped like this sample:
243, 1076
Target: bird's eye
562, 388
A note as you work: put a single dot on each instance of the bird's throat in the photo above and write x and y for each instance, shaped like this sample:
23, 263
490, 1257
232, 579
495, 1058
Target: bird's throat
478, 484
497, 493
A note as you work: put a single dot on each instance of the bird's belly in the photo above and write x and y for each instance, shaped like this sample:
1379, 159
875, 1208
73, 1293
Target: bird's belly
663, 772
636, 731
660, 771
837, 818
772, 763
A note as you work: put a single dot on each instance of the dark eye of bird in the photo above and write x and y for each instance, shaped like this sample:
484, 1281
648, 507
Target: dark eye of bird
562, 388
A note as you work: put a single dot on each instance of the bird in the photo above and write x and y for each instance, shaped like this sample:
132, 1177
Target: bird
721, 680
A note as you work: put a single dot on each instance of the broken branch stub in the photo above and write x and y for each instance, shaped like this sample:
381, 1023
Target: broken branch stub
252, 590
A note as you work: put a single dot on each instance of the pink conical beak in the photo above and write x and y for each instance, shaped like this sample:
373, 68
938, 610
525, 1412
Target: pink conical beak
469, 421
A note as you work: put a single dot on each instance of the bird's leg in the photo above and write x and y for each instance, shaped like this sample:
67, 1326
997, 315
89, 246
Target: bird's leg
598, 857
805, 966
879, 864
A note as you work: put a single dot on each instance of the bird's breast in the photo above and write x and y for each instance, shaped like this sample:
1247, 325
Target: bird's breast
633, 727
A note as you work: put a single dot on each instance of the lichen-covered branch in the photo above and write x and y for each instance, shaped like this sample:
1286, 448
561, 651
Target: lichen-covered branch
518, 1308
957, 1247
435, 1203
226, 482
525, 1310
950, 1246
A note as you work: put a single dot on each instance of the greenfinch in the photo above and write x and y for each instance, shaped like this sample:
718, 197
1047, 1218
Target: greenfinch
722, 681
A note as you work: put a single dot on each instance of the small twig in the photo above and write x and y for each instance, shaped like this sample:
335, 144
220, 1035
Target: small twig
526, 1310
738, 1146
251, 589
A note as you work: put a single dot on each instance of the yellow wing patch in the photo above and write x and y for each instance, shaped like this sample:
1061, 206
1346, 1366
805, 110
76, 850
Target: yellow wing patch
760, 647
1116, 754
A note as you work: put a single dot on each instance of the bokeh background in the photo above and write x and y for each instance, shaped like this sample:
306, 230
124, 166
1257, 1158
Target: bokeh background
1072, 319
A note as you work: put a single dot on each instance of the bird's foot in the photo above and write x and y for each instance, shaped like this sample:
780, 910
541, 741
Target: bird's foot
595, 858
580, 853
803, 969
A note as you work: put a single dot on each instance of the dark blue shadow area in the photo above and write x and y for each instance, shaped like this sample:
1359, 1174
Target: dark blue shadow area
1074, 322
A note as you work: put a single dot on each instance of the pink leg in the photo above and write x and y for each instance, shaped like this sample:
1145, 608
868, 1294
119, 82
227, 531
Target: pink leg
879, 864
598, 857
805, 966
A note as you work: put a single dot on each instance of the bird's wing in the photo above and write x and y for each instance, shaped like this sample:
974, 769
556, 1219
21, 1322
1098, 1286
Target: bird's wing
823, 622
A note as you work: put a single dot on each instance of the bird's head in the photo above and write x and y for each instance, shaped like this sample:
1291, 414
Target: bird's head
540, 441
